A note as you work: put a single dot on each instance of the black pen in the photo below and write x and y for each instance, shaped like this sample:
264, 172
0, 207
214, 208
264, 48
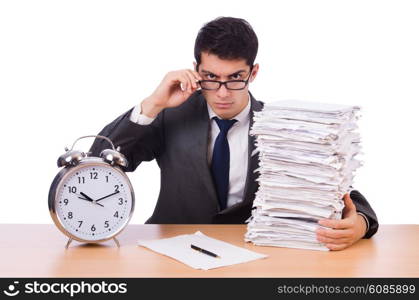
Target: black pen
205, 251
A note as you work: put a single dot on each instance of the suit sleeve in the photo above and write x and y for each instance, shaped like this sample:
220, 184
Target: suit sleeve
138, 142
364, 207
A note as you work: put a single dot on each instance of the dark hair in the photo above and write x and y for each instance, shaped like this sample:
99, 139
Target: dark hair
228, 38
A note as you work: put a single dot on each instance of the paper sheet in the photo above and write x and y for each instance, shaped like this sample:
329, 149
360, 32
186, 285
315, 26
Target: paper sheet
179, 248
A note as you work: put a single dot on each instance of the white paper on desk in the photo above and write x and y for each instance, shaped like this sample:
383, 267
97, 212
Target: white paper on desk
179, 248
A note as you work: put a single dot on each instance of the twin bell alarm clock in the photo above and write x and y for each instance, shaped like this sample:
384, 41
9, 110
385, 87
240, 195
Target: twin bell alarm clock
91, 199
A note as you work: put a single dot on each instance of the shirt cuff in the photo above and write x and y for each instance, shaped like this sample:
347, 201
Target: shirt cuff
139, 118
366, 221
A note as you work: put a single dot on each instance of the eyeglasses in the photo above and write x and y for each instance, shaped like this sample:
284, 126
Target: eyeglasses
211, 85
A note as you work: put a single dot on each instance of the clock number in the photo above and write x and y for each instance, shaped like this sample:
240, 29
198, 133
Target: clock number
107, 178
81, 222
116, 188
106, 224
66, 201
93, 228
70, 215
121, 201
93, 175
116, 215
72, 189
81, 179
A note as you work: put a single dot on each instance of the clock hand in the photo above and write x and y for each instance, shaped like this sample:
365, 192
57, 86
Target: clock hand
90, 201
87, 197
100, 199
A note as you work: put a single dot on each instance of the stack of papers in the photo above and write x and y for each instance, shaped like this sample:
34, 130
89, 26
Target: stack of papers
307, 160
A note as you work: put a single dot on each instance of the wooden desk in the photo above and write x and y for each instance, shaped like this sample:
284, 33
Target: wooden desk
39, 251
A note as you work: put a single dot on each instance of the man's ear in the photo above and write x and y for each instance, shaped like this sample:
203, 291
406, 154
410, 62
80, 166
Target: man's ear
255, 71
194, 66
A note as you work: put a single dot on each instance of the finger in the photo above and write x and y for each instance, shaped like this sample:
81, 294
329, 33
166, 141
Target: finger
326, 240
193, 75
196, 75
191, 82
192, 79
189, 87
335, 234
337, 224
336, 247
185, 83
174, 79
349, 205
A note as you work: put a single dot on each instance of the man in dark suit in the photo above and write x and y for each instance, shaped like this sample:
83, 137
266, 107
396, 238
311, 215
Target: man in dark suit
196, 124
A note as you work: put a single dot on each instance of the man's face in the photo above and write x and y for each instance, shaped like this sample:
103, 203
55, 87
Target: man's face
224, 102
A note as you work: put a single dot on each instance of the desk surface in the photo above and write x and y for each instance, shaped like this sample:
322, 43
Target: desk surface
39, 251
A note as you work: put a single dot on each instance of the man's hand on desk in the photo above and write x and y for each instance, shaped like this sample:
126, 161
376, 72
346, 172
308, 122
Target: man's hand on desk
344, 232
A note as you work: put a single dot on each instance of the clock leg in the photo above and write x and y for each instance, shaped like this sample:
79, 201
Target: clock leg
68, 243
116, 241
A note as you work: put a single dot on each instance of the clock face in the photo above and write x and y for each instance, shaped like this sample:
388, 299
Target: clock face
93, 201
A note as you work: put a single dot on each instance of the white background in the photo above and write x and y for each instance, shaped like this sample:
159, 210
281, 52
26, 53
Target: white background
67, 68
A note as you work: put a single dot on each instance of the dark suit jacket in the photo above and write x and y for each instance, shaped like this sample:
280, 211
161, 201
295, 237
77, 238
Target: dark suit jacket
178, 140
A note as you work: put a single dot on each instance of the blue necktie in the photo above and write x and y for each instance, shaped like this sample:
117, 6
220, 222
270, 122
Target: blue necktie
220, 165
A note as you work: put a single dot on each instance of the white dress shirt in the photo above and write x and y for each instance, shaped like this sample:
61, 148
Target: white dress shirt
238, 140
